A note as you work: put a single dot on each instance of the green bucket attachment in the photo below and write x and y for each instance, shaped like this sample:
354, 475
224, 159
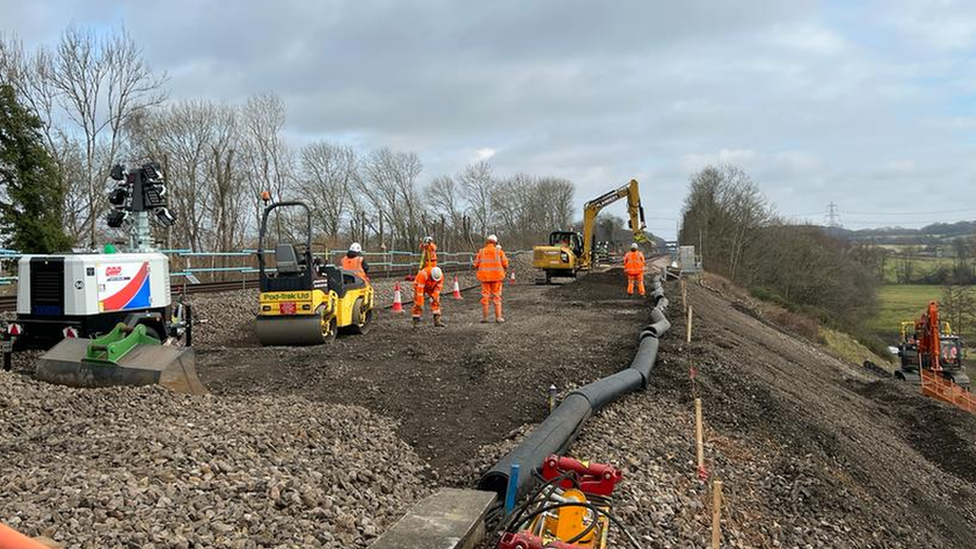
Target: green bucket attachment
124, 356
114, 345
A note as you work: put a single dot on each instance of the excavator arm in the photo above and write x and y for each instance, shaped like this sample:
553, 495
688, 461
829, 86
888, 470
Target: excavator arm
592, 208
928, 333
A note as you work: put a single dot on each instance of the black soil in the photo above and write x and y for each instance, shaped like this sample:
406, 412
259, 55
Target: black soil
453, 389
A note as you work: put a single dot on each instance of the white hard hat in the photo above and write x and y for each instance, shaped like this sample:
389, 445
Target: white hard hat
493, 238
633, 246
436, 273
356, 248
428, 239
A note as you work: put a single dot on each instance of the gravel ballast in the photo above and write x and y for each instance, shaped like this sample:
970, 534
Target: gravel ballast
143, 467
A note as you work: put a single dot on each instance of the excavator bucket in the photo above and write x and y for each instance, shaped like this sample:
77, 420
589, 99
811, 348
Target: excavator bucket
126, 356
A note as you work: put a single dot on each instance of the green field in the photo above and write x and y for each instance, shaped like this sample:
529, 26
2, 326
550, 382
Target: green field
921, 267
899, 302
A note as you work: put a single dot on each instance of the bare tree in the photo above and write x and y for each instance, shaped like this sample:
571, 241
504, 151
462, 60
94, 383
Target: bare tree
229, 202
722, 212
479, 187
748, 210
180, 136
101, 84
266, 154
444, 197
959, 306
389, 183
196, 141
32, 76
906, 265
527, 208
328, 174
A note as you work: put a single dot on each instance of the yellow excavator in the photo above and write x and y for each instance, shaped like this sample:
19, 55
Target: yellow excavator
569, 252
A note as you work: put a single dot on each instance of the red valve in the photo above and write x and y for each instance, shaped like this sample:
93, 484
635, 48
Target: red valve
591, 478
522, 540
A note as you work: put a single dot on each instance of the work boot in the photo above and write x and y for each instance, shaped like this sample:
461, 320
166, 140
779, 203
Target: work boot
416, 322
438, 323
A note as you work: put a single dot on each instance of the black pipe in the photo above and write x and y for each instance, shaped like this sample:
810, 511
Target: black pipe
558, 431
552, 436
646, 358
659, 324
604, 391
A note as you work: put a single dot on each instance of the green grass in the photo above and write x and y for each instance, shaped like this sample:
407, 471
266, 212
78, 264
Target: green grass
922, 267
901, 302
847, 348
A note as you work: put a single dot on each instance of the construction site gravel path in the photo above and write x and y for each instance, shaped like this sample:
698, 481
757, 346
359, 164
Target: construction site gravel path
452, 389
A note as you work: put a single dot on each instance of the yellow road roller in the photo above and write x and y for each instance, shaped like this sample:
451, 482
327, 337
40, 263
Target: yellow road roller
303, 300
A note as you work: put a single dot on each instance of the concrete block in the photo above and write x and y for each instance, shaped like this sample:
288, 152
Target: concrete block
449, 519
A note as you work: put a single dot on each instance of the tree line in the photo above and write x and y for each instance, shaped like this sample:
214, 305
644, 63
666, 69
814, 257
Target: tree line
740, 237
97, 102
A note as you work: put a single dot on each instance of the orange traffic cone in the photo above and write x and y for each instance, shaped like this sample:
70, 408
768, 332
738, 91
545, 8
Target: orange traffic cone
397, 300
457, 289
511, 278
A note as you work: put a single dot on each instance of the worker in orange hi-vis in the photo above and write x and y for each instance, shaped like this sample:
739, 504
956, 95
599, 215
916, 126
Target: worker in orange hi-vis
634, 268
491, 264
428, 284
354, 262
428, 253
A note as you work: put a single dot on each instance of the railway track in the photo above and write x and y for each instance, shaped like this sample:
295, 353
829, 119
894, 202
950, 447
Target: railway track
8, 303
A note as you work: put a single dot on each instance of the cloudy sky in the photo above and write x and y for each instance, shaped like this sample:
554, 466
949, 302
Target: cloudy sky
870, 104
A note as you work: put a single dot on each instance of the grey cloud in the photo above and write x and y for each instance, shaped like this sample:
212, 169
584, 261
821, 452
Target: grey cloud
824, 95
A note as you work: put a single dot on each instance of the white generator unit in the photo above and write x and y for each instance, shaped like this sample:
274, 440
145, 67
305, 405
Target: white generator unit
84, 295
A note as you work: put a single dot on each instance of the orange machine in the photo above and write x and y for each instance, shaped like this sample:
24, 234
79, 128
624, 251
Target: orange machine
929, 344
570, 511
931, 355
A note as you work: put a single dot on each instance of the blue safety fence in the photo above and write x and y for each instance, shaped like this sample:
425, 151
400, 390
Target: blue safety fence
6, 256
183, 260
398, 259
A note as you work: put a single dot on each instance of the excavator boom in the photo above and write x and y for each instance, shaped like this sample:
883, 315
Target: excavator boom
591, 209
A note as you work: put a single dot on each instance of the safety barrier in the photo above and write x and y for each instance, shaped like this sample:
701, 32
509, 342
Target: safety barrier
10, 256
939, 388
184, 260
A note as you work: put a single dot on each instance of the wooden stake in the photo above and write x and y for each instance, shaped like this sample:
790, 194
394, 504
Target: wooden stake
688, 325
716, 514
699, 435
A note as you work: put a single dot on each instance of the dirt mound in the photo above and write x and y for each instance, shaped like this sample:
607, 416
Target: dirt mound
457, 388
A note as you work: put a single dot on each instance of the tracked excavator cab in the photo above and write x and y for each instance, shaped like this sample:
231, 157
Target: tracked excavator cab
567, 239
303, 301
